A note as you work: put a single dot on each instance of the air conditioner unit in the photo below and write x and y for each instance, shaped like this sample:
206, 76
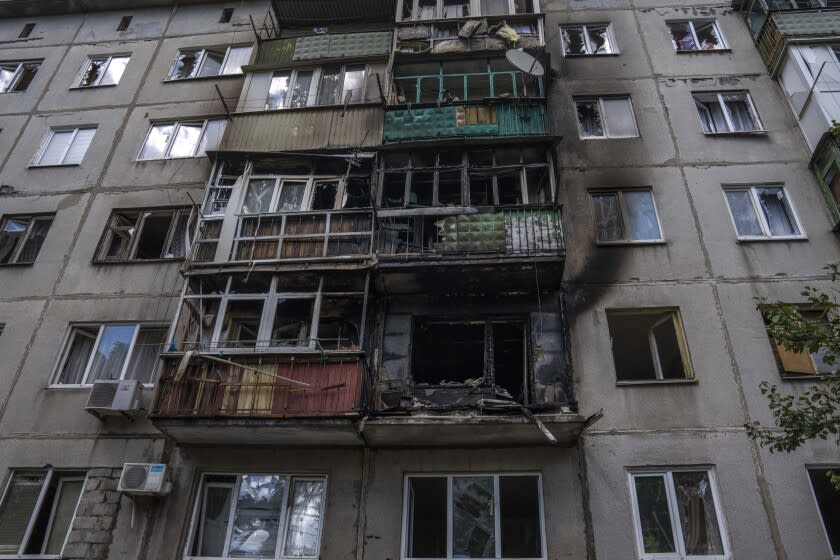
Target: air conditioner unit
144, 479
111, 398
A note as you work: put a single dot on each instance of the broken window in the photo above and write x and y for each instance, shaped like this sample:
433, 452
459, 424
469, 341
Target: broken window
606, 117
16, 76
182, 139
292, 322
725, 112
323, 195
207, 239
21, 237
805, 362
150, 234
210, 61
828, 504
258, 516
648, 345
625, 216
65, 146
102, 71
111, 351
241, 324
590, 39
339, 326
696, 35
762, 212
463, 516
37, 511
676, 514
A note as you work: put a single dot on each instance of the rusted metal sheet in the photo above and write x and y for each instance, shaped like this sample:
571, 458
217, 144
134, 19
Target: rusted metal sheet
290, 130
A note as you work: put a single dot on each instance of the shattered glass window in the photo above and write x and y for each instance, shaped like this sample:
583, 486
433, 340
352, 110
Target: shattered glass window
589, 119
474, 526
608, 223
682, 36
591, 39
303, 530
698, 518
186, 65
599, 40
696, 35
828, 503
16, 76
257, 519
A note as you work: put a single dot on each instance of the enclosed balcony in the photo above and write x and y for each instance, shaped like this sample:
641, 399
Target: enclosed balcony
308, 12
473, 120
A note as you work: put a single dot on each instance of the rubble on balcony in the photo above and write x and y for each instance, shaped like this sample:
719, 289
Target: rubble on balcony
471, 35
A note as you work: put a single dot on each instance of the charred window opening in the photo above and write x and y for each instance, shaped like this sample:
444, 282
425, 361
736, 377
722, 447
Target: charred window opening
648, 345
139, 235
472, 352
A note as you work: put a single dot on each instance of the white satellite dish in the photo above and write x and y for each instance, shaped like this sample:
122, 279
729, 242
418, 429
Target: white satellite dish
525, 62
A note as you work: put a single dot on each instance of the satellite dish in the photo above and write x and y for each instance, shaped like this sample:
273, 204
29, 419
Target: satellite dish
525, 62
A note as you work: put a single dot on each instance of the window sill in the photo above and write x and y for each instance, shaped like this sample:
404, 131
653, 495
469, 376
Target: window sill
630, 243
137, 261
704, 51
16, 264
807, 378
651, 382
772, 238
67, 387
37, 166
182, 158
738, 133
331, 107
82, 88
591, 55
202, 78
610, 137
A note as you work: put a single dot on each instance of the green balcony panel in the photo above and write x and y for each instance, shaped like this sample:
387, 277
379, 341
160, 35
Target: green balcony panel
464, 120
343, 45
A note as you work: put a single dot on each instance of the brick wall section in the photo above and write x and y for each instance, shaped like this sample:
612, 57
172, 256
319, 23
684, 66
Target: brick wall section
92, 530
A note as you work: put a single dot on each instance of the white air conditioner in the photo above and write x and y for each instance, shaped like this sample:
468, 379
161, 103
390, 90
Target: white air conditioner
110, 398
144, 479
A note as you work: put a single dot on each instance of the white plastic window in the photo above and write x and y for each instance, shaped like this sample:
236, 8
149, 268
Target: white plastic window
727, 112
762, 212
606, 117
696, 35
65, 146
590, 39
626, 216
102, 71
16, 76
182, 139
209, 61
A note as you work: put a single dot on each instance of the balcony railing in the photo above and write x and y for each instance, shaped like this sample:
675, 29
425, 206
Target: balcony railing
520, 231
469, 120
264, 387
298, 235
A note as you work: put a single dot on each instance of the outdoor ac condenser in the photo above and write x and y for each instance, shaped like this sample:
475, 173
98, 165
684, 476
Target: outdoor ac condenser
112, 398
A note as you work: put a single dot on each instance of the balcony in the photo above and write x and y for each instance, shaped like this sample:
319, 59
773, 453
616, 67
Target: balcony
468, 35
329, 46
266, 399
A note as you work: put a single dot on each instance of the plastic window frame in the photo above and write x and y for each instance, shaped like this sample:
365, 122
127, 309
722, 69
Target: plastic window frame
32, 218
614, 50
474, 8
285, 513
308, 192
762, 221
46, 143
77, 83
18, 71
171, 142
315, 87
66, 346
602, 113
449, 476
676, 528
726, 115
39, 503
175, 211
619, 194
724, 44
201, 59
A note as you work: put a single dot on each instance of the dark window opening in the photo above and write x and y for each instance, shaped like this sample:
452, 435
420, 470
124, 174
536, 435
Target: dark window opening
339, 323
448, 352
227, 14
519, 506
241, 324
124, 23
427, 505
393, 190
510, 188
481, 190
2, 328
648, 346
26, 31
323, 198
422, 188
153, 236
449, 188
357, 192
291, 322
828, 503
509, 366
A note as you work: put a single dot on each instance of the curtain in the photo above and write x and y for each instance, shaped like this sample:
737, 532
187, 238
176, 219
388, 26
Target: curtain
618, 114
776, 211
237, 58
214, 521
81, 345
17, 509
740, 112
589, 117
144, 356
608, 225
711, 115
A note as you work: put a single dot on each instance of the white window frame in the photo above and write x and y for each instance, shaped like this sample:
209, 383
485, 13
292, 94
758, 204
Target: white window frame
834, 467
140, 223
50, 474
291, 478
67, 345
200, 63
32, 218
614, 50
600, 100
315, 88
765, 227
77, 83
726, 115
619, 193
449, 507
45, 144
308, 193
475, 10
724, 44
676, 529
171, 142
18, 72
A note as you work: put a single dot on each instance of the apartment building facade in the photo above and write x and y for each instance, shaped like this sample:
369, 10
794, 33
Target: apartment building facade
415, 279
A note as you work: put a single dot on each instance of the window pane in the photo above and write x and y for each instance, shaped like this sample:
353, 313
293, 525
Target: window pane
519, 509
291, 322
354, 83
589, 118
328, 92
91, 75
599, 39
426, 517
618, 113
68, 497
427, 9
115, 70
608, 224
277, 91
80, 347
291, 196
258, 197
37, 234
654, 517
186, 65
156, 142
57, 146
776, 211
711, 114
494, 7
300, 92
323, 196
212, 136
27, 74
7, 73
257, 518
186, 140
178, 243
456, 8
213, 519
17, 509
743, 212
473, 524
11, 236
110, 355
668, 349
681, 36
237, 58
212, 64
696, 507
304, 527
740, 112
242, 324
828, 502
79, 146
154, 230
707, 34
144, 355
641, 216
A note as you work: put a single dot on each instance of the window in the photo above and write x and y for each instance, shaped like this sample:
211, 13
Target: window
625, 216
696, 35
65, 146
110, 352
762, 213
271, 194
149, 234
588, 39
727, 112
102, 71
209, 61
37, 511
21, 237
227, 14
828, 504
648, 345
125, 21
473, 516
16, 76
257, 516
182, 139
804, 363
26, 31
606, 117
677, 515
438, 9
330, 85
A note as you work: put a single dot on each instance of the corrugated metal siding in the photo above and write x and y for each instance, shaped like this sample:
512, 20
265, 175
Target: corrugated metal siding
441, 122
274, 51
304, 130
783, 26
343, 45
